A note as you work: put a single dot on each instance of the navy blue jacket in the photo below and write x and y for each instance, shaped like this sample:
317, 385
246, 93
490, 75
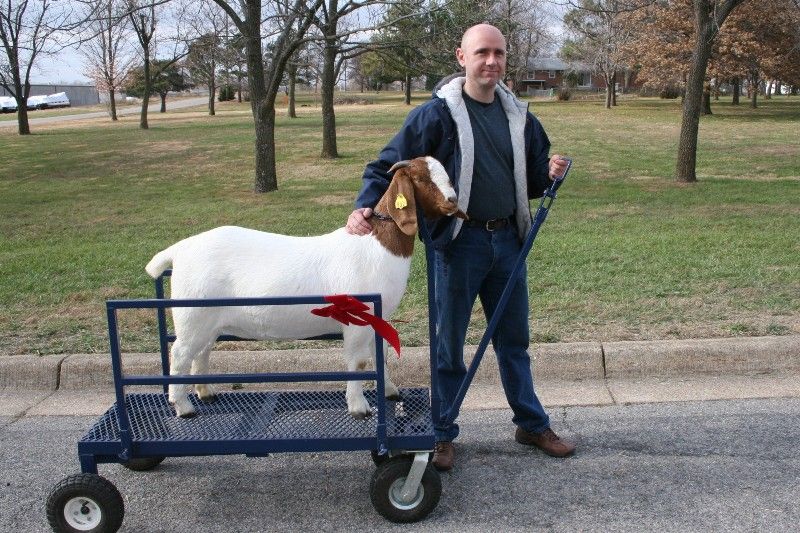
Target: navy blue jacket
429, 130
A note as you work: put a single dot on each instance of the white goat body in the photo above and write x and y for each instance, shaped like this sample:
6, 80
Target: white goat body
237, 262
230, 262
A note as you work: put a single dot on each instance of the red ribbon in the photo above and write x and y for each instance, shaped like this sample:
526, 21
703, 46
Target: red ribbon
349, 310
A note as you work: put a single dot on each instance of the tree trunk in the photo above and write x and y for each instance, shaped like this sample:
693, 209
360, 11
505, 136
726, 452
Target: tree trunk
112, 98
614, 89
685, 169
212, 92
240, 90
266, 176
754, 81
707, 98
163, 103
266, 179
147, 89
777, 87
292, 87
21, 93
23, 127
408, 88
609, 88
736, 82
329, 149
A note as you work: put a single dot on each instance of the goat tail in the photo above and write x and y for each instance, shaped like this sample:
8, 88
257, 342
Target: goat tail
160, 262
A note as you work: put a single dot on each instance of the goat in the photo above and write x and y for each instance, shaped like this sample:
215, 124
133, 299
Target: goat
237, 262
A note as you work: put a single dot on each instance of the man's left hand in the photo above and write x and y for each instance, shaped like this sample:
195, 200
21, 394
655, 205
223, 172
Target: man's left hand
557, 166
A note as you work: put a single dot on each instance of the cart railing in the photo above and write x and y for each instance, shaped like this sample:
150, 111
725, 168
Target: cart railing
161, 304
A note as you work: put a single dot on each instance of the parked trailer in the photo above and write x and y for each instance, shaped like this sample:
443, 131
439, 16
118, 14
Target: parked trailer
8, 104
48, 101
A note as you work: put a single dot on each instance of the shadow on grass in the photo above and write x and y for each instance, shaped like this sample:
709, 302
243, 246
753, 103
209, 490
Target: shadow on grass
784, 110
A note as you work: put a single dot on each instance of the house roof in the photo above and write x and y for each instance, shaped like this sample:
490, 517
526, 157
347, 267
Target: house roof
555, 63
547, 63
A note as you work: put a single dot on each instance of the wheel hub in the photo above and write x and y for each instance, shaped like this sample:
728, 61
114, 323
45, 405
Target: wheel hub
396, 495
82, 513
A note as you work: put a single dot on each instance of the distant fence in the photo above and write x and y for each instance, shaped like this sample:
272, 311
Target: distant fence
540, 92
77, 94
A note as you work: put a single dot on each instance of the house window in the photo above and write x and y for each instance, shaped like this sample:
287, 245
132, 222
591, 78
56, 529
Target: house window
551, 74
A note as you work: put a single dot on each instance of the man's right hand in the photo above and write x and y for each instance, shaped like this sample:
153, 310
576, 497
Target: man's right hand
357, 223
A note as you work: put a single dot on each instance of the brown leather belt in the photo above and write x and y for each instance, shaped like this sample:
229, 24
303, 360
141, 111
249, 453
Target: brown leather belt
488, 225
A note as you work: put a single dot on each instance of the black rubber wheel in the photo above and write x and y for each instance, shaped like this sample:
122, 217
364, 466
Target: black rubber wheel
85, 502
387, 482
143, 464
378, 459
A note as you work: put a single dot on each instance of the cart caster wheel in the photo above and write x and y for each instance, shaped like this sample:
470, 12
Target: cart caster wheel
85, 502
378, 459
386, 486
143, 464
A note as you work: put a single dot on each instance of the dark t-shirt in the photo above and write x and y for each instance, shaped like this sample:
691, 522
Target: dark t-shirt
493, 192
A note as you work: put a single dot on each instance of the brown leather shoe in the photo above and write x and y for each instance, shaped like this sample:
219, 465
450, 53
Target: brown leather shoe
443, 456
547, 441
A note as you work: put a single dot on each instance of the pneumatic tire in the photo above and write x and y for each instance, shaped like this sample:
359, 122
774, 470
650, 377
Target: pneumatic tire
85, 502
386, 485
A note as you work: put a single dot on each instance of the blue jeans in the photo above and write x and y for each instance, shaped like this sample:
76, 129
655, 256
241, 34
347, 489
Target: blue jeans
478, 263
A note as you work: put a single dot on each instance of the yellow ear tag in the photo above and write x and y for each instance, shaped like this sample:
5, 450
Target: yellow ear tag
400, 202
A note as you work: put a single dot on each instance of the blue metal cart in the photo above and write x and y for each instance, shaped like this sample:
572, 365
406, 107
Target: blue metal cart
141, 429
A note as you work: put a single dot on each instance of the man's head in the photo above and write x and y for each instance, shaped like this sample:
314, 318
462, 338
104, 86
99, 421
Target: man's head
482, 54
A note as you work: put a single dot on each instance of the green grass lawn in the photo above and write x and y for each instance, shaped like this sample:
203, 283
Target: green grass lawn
626, 253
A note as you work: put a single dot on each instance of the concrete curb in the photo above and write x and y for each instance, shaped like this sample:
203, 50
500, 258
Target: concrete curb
551, 362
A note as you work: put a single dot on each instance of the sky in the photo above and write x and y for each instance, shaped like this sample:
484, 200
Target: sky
66, 67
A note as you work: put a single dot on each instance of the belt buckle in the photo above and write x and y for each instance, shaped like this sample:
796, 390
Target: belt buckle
491, 225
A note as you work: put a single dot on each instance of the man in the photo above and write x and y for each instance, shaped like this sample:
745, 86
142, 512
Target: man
496, 153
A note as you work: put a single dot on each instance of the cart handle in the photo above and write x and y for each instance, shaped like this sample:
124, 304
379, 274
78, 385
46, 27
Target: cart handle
559, 179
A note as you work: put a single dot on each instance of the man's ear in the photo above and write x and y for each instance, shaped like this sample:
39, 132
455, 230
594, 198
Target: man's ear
402, 205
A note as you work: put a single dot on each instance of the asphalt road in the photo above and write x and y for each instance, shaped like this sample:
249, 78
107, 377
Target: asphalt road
700, 466
172, 105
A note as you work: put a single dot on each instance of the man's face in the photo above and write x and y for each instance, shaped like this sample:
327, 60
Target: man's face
483, 55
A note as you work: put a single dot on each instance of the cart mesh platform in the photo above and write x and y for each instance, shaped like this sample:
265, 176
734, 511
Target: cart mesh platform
261, 422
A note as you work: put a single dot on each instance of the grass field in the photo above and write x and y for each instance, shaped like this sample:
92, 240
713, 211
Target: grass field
626, 252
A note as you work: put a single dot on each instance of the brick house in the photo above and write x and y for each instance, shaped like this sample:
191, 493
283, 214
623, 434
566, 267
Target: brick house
545, 73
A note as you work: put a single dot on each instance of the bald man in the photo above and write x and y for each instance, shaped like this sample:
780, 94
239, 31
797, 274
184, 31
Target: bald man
496, 153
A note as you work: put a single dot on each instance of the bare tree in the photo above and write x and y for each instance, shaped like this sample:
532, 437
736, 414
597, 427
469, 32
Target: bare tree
105, 44
29, 29
287, 22
144, 17
524, 25
600, 35
207, 52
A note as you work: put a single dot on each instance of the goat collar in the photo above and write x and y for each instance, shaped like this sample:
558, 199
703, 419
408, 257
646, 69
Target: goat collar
380, 216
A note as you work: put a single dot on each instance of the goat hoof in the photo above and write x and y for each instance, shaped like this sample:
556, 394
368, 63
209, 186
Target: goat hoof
181, 412
211, 398
394, 397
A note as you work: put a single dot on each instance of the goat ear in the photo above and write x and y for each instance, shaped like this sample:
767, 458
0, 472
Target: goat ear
402, 205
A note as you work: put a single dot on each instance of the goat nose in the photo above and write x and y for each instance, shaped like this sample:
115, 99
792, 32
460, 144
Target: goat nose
452, 198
